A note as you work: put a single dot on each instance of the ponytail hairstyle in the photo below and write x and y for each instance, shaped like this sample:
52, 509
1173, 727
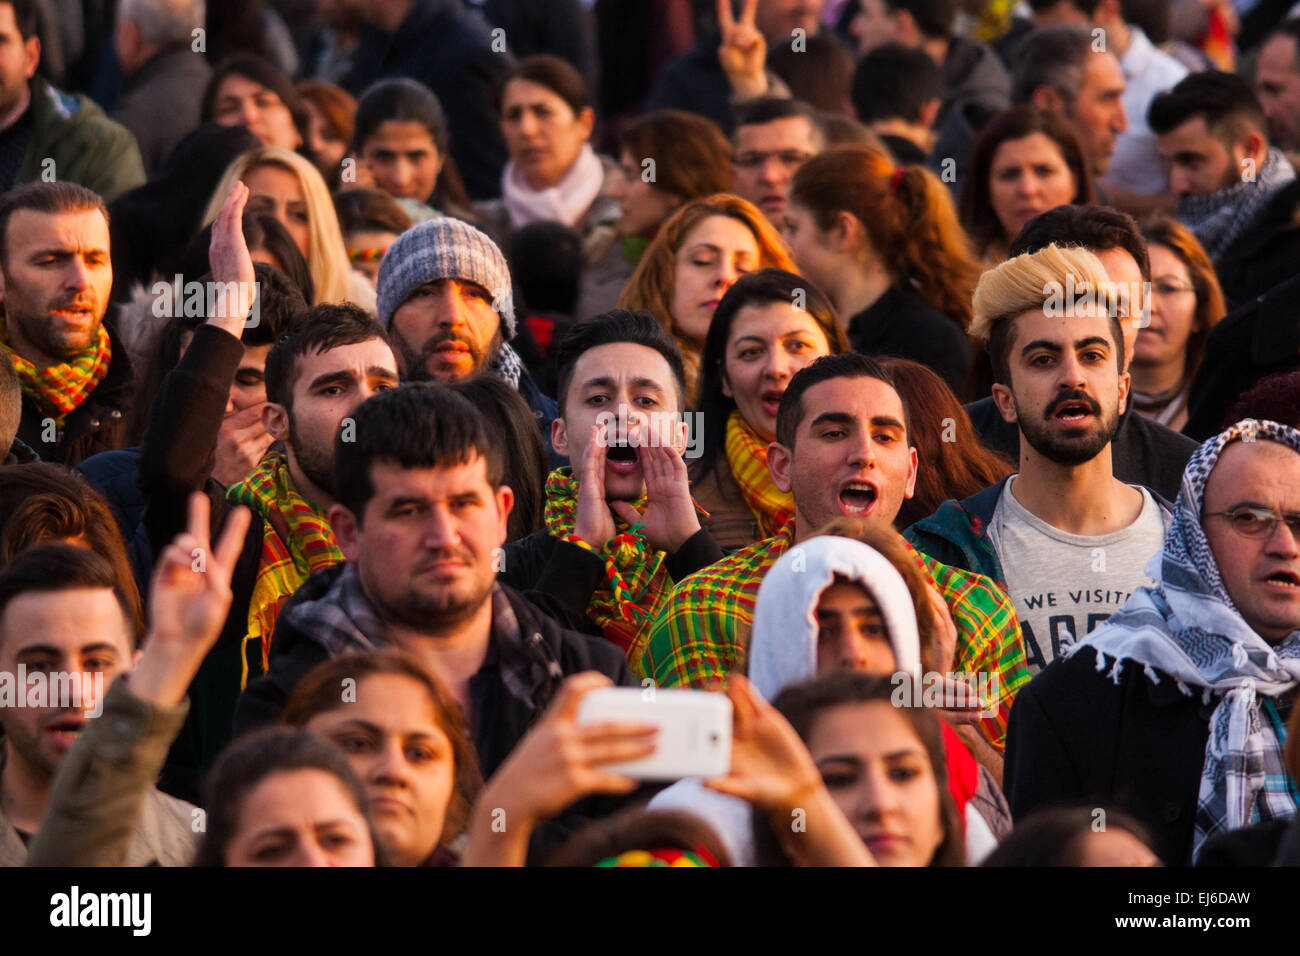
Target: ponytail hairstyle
908, 215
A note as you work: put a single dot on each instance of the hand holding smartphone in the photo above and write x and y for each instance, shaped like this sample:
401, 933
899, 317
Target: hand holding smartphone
694, 729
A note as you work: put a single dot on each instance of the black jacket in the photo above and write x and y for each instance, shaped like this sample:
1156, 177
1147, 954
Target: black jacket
1266, 252
560, 577
97, 424
903, 324
450, 51
1143, 452
499, 716
1258, 339
1075, 737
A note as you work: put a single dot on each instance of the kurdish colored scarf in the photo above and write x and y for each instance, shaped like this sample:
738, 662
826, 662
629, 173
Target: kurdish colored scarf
60, 388
747, 456
637, 585
297, 541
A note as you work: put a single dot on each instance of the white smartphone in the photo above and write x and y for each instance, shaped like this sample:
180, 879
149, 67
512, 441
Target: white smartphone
694, 729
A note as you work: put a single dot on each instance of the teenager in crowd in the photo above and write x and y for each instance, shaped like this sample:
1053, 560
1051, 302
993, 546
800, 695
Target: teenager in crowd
884, 243
1025, 162
694, 258
283, 185
246, 90
1186, 304
768, 325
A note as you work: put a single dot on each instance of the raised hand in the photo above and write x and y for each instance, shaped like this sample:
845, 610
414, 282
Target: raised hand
592, 521
669, 518
188, 603
231, 262
743, 51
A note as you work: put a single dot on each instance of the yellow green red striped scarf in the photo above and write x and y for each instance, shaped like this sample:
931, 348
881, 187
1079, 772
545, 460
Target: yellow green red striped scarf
60, 388
638, 581
747, 456
297, 541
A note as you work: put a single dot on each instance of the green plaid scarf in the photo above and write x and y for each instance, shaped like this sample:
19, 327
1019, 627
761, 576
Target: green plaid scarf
59, 389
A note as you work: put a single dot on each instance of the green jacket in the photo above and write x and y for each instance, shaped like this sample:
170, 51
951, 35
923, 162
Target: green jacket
87, 147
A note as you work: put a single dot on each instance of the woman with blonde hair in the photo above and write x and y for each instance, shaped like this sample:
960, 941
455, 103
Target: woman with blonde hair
693, 260
288, 188
883, 241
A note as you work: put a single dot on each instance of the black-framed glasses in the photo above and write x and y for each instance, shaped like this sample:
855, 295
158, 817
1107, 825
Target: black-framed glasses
1258, 522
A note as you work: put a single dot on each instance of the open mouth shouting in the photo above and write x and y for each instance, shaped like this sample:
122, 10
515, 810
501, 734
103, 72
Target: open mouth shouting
621, 458
1075, 410
857, 498
1284, 580
771, 399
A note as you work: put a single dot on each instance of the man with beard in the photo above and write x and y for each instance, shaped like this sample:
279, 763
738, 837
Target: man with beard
76, 377
332, 359
1065, 538
445, 297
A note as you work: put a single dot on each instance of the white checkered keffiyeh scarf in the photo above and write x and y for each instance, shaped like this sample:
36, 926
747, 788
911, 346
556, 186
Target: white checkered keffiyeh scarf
1218, 218
508, 364
1188, 628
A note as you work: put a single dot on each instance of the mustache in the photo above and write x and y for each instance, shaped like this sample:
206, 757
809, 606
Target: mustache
431, 558
1074, 396
442, 338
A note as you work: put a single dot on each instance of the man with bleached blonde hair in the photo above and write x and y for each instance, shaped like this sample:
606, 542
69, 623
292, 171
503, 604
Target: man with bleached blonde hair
1065, 538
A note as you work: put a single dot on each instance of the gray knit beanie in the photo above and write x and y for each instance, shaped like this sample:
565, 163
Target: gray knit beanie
444, 248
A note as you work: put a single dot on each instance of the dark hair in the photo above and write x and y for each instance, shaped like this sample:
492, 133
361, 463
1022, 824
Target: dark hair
1274, 398
370, 210
416, 425
47, 198
557, 75
845, 365
1054, 837
41, 502
26, 17
508, 416
546, 265
617, 325
319, 692
895, 81
976, 207
952, 460
263, 73
638, 828
1054, 57
399, 100
769, 109
934, 18
819, 73
11, 407
1224, 100
1095, 228
804, 704
692, 157
249, 761
55, 567
1289, 27
757, 288
321, 328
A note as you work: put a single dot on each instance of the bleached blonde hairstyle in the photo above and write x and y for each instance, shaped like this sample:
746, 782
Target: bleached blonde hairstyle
327, 257
1033, 281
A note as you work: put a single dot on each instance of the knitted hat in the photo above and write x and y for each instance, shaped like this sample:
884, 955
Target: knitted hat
444, 248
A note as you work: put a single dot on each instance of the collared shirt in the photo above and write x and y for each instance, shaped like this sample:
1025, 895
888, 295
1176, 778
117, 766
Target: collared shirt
1147, 71
703, 632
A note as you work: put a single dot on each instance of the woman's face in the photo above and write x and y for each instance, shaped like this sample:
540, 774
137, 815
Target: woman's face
300, 818
807, 245
851, 633
244, 102
767, 344
879, 774
395, 744
328, 147
403, 159
1173, 310
275, 191
1028, 176
542, 132
643, 207
712, 256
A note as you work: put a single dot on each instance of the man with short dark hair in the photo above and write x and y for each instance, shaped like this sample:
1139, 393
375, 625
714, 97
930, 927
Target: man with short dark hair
1066, 539
1238, 194
621, 526
1143, 451
773, 137
47, 134
842, 449
896, 94
76, 375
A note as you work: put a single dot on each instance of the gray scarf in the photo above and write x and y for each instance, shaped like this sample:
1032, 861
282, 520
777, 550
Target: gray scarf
1219, 218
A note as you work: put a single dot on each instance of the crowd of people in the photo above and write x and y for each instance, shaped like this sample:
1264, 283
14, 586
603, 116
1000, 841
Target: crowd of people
383, 378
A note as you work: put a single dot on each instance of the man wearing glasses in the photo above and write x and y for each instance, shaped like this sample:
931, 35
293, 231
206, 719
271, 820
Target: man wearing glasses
773, 138
1176, 709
